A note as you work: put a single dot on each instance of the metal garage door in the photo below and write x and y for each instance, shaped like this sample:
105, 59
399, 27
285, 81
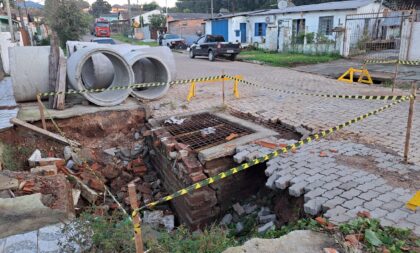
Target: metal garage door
220, 27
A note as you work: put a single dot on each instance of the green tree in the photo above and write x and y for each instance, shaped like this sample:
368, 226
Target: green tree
151, 6
100, 7
83, 4
157, 21
67, 19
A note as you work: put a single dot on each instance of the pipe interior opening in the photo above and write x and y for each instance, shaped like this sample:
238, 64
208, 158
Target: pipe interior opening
105, 70
148, 70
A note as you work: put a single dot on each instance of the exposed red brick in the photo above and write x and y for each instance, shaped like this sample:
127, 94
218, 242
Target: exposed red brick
232, 136
96, 184
191, 164
266, 144
144, 188
197, 176
95, 166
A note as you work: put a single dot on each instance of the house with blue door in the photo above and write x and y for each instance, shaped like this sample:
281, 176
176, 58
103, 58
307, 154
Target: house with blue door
292, 28
233, 27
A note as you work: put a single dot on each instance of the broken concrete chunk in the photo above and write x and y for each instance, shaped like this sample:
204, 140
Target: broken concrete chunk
67, 152
264, 211
266, 227
34, 158
168, 222
239, 227
152, 218
267, 218
48, 170
250, 208
227, 219
111, 151
136, 136
70, 164
76, 195
238, 209
7, 183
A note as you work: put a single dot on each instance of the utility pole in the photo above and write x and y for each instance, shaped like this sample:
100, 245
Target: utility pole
9, 17
129, 14
211, 8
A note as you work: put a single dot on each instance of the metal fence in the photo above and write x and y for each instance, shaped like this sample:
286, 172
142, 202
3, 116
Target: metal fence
376, 35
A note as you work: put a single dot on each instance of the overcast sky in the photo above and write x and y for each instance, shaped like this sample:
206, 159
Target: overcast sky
171, 3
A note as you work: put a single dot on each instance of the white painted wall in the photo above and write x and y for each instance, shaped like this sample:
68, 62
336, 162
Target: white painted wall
5, 43
207, 27
410, 48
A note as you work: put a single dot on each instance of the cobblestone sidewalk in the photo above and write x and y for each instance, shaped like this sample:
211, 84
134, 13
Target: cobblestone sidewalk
341, 178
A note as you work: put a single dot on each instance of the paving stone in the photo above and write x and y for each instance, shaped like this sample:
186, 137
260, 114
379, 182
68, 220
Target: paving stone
378, 213
271, 181
369, 195
386, 223
373, 204
392, 205
314, 206
414, 218
331, 185
351, 194
332, 203
383, 188
341, 218
397, 215
348, 185
313, 185
314, 193
354, 202
283, 182
332, 193
387, 197
335, 211
297, 190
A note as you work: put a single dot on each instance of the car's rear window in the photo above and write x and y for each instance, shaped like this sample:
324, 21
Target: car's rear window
211, 38
105, 41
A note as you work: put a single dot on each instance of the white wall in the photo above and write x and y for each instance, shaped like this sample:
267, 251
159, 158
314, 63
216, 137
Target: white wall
410, 48
5, 43
207, 27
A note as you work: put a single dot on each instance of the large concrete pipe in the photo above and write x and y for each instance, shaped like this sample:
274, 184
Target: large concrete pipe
122, 75
29, 71
154, 64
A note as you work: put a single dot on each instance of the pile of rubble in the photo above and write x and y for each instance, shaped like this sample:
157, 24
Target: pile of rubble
87, 177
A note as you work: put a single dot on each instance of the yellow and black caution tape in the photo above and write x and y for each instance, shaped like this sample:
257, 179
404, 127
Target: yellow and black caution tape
265, 158
133, 86
401, 62
361, 97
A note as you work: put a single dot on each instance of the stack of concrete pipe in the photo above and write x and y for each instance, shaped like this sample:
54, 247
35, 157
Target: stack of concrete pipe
96, 66
92, 66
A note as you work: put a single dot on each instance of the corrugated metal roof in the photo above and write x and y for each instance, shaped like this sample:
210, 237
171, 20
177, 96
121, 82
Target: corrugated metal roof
329, 6
184, 16
231, 15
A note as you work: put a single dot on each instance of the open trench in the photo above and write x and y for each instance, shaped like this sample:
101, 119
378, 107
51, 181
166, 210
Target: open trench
162, 156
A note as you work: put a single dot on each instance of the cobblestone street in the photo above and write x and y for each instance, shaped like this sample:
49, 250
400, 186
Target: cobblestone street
365, 171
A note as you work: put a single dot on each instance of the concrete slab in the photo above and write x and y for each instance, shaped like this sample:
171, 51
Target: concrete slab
229, 148
26, 213
30, 111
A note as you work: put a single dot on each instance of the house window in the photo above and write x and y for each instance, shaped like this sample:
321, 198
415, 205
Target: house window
326, 25
237, 33
260, 29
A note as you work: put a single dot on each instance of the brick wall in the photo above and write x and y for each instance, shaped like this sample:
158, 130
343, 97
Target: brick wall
179, 167
186, 28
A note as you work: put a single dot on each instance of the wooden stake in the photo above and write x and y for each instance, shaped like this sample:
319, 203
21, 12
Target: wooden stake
53, 66
394, 80
223, 87
409, 122
136, 219
41, 112
39, 130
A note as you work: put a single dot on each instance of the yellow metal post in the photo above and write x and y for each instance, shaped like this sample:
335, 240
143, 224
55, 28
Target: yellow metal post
191, 93
235, 86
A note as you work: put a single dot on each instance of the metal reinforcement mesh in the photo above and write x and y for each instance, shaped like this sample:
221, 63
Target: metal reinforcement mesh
205, 130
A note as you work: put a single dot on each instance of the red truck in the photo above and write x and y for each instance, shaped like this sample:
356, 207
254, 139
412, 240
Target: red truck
102, 28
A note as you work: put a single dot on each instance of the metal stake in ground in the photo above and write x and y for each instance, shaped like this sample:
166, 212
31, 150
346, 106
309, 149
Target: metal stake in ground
136, 218
409, 122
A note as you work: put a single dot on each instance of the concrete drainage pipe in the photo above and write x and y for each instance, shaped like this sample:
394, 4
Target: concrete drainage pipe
82, 75
151, 65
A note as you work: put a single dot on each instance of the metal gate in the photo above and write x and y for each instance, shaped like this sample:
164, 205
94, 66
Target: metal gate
375, 35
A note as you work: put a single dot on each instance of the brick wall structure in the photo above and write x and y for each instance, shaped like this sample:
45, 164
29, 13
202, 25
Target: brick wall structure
180, 167
186, 28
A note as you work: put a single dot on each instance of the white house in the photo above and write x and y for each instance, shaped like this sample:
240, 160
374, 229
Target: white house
288, 25
146, 16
